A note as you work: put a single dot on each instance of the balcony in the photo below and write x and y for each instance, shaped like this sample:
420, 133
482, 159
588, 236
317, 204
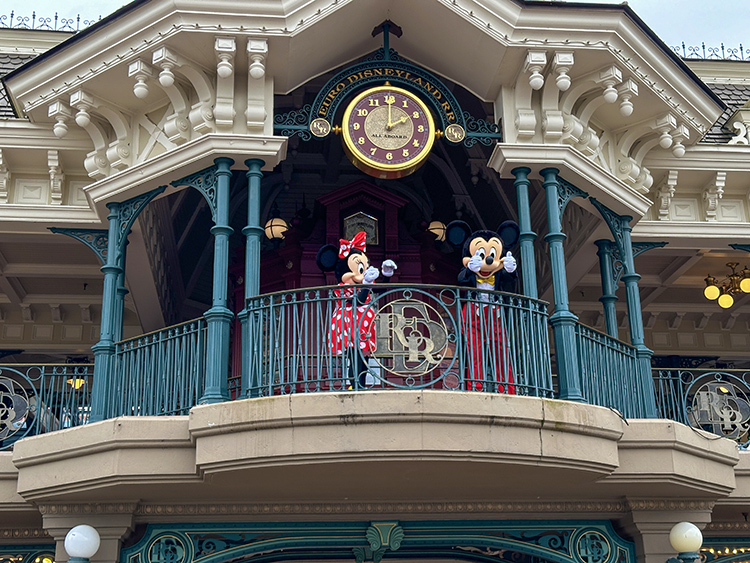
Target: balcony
389, 338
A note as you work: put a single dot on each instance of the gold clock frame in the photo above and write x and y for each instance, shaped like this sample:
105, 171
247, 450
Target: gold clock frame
376, 169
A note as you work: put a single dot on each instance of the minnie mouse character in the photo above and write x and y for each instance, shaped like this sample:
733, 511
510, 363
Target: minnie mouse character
485, 267
352, 268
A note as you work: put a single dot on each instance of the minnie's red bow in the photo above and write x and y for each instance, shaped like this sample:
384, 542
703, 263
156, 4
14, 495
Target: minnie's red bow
358, 242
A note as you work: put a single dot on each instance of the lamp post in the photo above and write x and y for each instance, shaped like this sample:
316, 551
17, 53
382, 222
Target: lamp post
686, 539
81, 543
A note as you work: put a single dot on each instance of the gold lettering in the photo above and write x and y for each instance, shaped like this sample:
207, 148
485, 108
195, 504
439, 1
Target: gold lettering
361, 140
418, 80
389, 71
352, 78
355, 126
415, 143
374, 102
367, 73
450, 116
361, 112
373, 150
377, 71
389, 156
405, 152
415, 115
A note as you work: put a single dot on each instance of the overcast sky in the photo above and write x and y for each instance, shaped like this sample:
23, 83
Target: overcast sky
675, 21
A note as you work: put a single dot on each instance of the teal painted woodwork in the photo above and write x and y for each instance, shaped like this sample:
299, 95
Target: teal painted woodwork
253, 233
41, 553
121, 218
527, 235
472, 540
608, 298
428, 337
562, 320
620, 227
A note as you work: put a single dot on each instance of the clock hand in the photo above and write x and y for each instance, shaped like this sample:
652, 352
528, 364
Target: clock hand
389, 125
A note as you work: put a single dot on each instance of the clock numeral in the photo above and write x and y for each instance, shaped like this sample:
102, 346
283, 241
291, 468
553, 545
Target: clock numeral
389, 156
373, 150
361, 112
415, 143
389, 99
405, 152
361, 140
420, 128
415, 115
356, 126
374, 102
406, 103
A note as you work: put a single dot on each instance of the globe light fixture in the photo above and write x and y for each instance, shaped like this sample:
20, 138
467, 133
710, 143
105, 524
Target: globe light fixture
81, 543
275, 228
724, 291
686, 539
437, 228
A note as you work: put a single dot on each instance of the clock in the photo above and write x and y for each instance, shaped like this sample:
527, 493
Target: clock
387, 132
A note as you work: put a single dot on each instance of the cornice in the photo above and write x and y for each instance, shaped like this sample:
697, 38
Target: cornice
728, 527
668, 504
711, 157
151, 510
182, 160
681, 234
576, 169
63, 509
23, 534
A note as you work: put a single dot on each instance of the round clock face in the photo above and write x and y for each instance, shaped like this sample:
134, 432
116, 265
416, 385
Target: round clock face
388, 132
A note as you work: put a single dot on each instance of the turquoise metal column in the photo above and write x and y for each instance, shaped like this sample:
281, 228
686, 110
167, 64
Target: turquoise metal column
219, 316
608, 298
119, 306
253, 232
104, 350
619, 225
635, 317
562, 320
527, 236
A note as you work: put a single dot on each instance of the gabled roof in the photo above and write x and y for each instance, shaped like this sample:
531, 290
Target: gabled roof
8, 63
734, 96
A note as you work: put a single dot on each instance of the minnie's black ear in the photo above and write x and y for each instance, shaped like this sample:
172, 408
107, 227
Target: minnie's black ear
327, 257
456, 232
509, 233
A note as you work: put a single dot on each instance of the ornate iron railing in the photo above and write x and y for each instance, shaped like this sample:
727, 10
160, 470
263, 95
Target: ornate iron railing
160, 373
712, 53
42, 398
397, 336
717, 401
55, 23
609, 373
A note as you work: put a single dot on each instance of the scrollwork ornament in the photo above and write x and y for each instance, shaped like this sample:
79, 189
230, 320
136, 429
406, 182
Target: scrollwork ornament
565, 192
15, 409
205, 181
295, 122
127, 212
480, 130
95, 239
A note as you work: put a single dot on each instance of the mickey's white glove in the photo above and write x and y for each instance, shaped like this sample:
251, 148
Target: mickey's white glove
475, 264
509, 263
371, 274
389, 268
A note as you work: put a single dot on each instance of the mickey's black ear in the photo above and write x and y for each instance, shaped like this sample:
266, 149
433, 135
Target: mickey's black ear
327, 257
456, 233
509, 233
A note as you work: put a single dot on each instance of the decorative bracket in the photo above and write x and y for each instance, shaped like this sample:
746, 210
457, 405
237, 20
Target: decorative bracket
745, 247
618, 267
205, 182
127, 212
565, 192
95, 239
615, 222
381, 536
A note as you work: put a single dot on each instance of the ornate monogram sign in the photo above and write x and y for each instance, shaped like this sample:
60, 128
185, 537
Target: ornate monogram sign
14, 407
412, 341
721, 407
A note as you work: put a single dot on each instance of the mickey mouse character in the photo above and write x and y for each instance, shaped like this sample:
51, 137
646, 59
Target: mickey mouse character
352, 268
485, 267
